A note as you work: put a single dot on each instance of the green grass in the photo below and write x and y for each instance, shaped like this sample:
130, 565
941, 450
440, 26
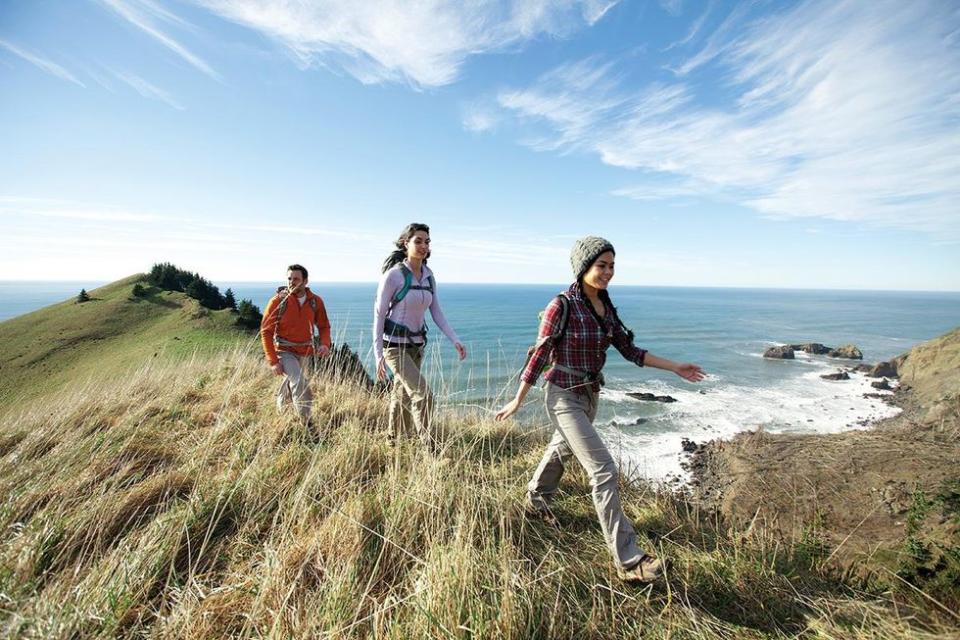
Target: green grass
113, 332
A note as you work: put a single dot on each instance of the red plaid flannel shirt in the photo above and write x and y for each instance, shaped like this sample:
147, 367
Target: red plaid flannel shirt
583, 346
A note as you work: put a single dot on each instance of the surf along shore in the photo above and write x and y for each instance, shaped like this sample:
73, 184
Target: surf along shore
880, 501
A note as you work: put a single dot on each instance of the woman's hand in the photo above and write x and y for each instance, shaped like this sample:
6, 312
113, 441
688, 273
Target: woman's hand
508, 410
461, 351
381, 369
690, 372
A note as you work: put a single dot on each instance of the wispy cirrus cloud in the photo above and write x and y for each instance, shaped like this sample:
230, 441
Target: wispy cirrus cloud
840, 110
42, 63
423, 43
145, 15
149, 90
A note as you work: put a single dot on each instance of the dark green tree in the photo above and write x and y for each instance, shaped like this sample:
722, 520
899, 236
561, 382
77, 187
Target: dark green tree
248, 315
229, 301
139, 290
83, 296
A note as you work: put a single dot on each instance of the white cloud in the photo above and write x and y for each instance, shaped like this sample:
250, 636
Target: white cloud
143, 14
424, 43
148, 90
842, 110
50, 67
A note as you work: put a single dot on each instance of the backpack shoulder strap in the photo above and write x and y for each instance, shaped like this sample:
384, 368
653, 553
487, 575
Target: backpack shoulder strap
402, 291
564, 317
284, 295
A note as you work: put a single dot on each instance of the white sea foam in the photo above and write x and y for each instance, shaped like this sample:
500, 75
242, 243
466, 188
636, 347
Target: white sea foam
804, 403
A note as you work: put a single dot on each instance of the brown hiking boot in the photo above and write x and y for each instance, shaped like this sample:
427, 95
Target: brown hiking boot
543, 514
644, 572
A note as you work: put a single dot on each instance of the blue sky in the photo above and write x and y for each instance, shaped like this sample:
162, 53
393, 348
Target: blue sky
804, 144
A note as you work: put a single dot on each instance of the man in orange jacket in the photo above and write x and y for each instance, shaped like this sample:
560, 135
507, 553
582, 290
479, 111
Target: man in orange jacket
288, 338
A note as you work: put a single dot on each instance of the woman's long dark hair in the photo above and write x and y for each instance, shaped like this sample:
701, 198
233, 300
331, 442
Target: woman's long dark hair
604, 296
398, 254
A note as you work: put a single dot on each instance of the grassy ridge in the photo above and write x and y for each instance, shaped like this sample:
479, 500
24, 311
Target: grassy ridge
176, 503
113, 332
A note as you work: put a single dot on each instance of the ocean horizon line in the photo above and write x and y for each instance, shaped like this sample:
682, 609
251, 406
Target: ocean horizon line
101, 282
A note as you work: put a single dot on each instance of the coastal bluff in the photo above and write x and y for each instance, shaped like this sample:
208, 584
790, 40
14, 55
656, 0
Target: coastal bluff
882, 500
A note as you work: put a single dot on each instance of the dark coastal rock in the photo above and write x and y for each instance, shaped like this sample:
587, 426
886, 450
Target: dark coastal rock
884, 370
848, 351
650, 397
881, 384
344, 364
839, 375
784, 352
688, 445
814, 348
864, 368
635, 423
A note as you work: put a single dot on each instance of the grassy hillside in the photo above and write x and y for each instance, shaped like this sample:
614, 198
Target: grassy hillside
114, 331
176, 503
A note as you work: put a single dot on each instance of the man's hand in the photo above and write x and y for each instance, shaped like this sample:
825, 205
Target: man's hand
323, 351
277, 369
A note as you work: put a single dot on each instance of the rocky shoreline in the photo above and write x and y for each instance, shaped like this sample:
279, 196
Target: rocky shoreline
858, 488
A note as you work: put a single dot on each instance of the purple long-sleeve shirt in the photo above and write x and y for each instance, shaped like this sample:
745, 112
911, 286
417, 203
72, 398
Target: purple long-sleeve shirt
409, 312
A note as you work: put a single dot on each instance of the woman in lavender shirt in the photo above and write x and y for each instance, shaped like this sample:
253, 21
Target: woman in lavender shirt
406, 290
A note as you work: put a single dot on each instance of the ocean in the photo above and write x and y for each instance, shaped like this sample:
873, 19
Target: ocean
723, 330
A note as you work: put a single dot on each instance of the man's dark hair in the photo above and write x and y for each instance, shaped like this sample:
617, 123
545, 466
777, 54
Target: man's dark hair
299, 267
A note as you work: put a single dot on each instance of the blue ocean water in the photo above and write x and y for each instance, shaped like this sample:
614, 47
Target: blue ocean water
723, 330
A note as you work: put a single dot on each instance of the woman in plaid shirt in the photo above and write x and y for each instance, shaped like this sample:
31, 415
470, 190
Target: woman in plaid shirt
578, 354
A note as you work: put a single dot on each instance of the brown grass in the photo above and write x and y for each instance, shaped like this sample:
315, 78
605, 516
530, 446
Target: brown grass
176, 503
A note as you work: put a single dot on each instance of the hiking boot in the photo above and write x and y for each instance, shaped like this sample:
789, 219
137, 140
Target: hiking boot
312, 432
544, 514
644, 572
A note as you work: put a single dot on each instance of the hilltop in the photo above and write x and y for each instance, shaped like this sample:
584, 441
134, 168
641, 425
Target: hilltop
114, 331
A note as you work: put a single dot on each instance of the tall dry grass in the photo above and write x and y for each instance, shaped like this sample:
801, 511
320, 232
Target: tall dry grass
176, 503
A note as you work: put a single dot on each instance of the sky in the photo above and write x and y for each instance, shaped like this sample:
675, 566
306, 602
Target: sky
809, 144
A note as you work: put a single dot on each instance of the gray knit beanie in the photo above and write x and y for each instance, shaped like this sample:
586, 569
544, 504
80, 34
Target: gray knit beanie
585, 251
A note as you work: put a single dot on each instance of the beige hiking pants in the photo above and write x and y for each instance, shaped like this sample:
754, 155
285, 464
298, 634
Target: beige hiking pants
411, 401
572, 415
295, 388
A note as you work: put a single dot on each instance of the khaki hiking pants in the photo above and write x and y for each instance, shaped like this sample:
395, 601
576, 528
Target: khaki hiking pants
572, 415
295, 388
411, 402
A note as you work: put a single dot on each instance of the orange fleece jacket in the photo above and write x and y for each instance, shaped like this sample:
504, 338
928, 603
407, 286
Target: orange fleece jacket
296, 325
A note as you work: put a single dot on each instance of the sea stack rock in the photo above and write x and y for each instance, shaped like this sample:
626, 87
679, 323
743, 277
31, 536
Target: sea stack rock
881, 384
839, 375
784, 352
814, 348
849, 351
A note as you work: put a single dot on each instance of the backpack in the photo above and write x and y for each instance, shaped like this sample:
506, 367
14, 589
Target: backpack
408, 285
561, 326
395, 328
282, 307
561, 329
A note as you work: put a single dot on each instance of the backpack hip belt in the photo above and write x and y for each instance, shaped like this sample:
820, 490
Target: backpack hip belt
395, 329
282, 342
583, 375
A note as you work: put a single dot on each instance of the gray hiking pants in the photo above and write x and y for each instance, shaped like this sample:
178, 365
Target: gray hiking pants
295, 387
572, 414
411, 402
